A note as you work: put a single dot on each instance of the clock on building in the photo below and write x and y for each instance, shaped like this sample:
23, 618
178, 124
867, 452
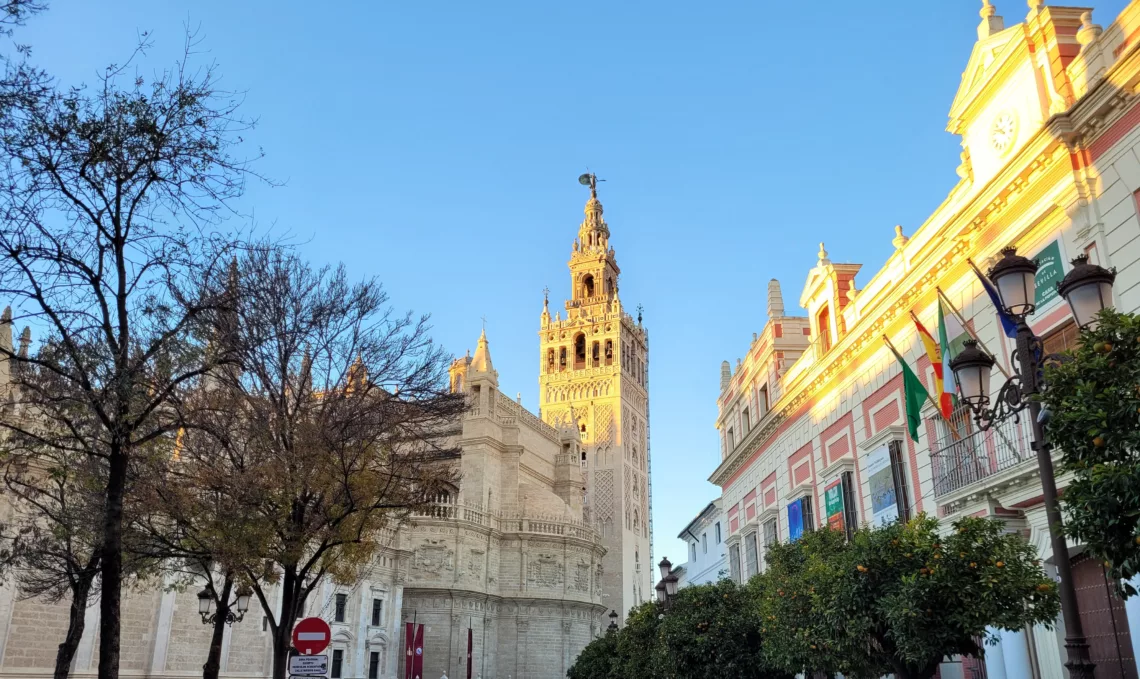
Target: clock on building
1003, 131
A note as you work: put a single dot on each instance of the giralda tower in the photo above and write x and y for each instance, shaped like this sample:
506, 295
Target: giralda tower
594, 373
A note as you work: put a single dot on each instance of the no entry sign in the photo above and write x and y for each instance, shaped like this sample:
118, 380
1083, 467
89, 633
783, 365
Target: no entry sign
311, 635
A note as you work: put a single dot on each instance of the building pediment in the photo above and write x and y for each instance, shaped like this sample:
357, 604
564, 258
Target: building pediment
987, 59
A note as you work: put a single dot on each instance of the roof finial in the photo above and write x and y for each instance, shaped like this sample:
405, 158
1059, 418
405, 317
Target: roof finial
823, 260
899, 240
484, 333
991, 22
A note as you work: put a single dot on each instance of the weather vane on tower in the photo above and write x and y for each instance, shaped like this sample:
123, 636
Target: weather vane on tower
591, 180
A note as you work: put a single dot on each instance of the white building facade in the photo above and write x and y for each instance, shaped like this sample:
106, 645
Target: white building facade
704, 539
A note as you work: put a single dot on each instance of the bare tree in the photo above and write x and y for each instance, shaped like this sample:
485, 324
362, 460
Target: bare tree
107, 198
327, 430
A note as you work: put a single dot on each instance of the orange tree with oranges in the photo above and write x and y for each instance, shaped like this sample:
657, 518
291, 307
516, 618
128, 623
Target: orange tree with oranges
1094, 405
797, 602
919, 596
713, 631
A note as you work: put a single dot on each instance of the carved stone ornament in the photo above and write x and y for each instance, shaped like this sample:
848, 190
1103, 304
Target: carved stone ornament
433, 558
545, 571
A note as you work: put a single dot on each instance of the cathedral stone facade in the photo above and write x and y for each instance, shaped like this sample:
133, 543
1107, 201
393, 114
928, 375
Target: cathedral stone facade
546, 532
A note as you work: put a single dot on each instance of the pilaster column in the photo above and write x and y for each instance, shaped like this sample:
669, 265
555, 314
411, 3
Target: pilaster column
1015, 649
995, 657
1132, 612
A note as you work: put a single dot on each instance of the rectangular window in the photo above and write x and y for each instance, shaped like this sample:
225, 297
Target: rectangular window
770, 535
692, 551
341, 606
731, 440
377, 611
734, 562
898, 472
1062, 339
808, 513
746, 418
850, 512
264, 623
373, 665
762, 400
750, 554
718, 532
704, 543
337, 663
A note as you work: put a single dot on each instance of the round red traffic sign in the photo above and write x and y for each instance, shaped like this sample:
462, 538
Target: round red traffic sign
311, 635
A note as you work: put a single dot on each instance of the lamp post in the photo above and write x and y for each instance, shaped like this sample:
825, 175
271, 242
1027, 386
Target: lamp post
613, 621
206, 606
667, 587
1088, 290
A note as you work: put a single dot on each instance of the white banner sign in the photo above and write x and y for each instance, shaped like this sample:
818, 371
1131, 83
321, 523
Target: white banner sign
309, 665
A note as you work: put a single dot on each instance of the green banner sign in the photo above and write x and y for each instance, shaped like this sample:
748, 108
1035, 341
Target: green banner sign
833, 504
1050, 271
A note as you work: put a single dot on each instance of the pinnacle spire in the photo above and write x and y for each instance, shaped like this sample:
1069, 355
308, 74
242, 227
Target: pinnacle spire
481, 361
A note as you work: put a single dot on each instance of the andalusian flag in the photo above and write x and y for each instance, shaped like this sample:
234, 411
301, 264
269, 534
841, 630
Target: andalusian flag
945, 399
914, 393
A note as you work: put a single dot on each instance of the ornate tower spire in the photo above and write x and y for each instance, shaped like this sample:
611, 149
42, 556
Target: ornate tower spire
594, 233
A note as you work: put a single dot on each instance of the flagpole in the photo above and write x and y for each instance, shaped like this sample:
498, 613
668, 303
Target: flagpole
966, 326
929, 398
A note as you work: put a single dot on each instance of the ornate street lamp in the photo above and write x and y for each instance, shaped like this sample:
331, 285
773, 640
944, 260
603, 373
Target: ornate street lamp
1014, 277
613, 621
1088, 290
206, 605
667, 586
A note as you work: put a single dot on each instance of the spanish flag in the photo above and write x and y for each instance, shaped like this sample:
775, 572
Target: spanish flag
945, 400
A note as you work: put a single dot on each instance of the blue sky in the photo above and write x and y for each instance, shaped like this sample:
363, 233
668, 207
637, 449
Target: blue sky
437, 145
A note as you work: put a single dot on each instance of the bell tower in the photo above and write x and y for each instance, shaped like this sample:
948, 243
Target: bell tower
593, 375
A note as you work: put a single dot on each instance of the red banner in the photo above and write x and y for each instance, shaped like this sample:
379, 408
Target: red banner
418, 654
469, 638
409, 637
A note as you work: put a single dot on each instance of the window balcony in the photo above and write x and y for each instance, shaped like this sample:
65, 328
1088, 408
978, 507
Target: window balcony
965, 456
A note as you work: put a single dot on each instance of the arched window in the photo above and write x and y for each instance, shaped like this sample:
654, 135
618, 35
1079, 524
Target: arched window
562, 359
579, 351
550, 361
588, 285
609, 352
596, 354
609, 286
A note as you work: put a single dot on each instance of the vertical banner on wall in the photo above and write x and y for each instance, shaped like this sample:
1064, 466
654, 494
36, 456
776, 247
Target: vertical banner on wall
884, 504
470, 639
833, 504
418, 654
795, 520
409, 644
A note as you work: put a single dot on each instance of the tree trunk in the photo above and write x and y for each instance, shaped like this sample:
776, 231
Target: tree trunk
283, 638
80, 592
214, 659
111, 567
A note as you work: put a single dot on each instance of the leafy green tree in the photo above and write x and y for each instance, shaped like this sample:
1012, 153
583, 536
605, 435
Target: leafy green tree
598, 660
804, 628
922, 596
713, 631
639, 655
1095, 404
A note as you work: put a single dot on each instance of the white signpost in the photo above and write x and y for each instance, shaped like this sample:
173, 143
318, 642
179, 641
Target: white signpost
309, 665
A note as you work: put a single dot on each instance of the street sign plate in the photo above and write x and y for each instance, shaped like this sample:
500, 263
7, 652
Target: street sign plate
309, 665
311, 635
